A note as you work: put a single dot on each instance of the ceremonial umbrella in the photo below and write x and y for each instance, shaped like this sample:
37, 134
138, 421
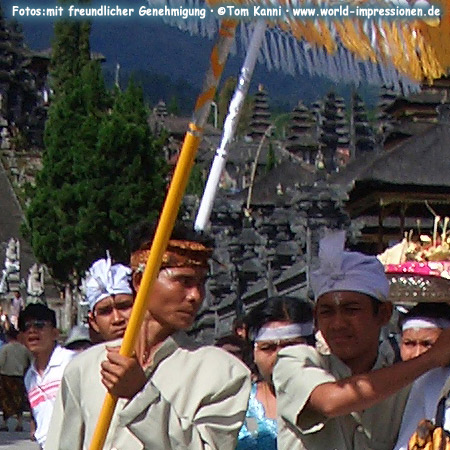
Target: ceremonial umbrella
418, 49
413, 48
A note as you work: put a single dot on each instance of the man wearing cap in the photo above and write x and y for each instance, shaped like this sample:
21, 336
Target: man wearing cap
78, 338
110, 297
421, 327
174, 394
353, 398
37, 323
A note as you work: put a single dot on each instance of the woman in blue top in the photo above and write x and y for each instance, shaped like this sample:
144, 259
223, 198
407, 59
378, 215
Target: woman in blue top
273, 324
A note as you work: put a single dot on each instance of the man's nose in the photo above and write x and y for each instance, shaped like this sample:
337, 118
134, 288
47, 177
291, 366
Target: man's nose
418, 350
116, 315
196, 293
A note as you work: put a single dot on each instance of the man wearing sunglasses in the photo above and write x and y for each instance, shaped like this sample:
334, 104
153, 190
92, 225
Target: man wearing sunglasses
110, 297
174, 393
37, 322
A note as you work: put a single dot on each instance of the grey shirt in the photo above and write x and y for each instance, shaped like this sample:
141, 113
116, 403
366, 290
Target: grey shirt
298, 371
195, 398
14, 359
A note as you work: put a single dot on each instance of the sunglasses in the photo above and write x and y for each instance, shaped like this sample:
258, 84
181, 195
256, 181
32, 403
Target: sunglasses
38, 324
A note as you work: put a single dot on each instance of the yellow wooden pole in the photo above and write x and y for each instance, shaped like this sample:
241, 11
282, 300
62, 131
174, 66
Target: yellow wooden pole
169, 213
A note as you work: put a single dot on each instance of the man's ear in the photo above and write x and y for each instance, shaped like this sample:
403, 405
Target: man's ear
92, 322
55, 334
385, 312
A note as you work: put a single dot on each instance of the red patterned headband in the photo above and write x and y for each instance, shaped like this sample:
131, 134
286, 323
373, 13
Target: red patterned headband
177, 254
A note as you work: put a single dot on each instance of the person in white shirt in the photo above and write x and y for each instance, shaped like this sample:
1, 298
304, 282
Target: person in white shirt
17, 304
174, 393
37, 322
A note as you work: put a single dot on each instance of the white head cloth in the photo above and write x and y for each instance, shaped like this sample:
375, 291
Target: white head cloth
291, 331
347, 271
104, 280
425, 322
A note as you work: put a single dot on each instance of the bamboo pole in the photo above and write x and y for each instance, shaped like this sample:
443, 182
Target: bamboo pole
230, 126
169, 212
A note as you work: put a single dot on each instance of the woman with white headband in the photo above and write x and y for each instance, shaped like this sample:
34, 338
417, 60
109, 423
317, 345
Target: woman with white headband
420, 329
274, 324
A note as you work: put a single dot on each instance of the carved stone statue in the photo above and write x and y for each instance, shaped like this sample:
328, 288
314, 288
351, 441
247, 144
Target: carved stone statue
11, 249
11, 271
5, 139
4, 282
35, 284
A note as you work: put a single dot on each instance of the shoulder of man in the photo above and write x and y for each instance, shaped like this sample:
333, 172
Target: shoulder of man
208, 374
215, 367
20, 348
214, 355
302, 352
90, 356
205, 354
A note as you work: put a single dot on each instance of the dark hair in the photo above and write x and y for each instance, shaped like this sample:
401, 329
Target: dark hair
279, 308
239, 322
11, 333
432, 310
141, 236
231, 339
36, 311
246, 354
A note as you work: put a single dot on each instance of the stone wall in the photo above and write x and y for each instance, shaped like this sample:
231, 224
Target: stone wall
266, 251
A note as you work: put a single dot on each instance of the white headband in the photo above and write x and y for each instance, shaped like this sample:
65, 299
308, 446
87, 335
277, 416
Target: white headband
285, 332
347, 271
105, 279
425, 322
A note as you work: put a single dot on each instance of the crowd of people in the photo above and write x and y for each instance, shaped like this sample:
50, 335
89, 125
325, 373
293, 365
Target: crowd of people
293, 373
343, 388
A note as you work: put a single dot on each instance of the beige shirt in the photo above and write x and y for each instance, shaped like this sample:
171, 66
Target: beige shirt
298, 371
196, 398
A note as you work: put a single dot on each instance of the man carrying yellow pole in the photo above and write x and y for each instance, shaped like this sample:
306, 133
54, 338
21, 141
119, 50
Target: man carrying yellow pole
170, 210
159, 243
174, 393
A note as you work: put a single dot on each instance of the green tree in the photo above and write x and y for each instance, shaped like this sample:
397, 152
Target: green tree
102, 171
131, 170
70, 52
63, 187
